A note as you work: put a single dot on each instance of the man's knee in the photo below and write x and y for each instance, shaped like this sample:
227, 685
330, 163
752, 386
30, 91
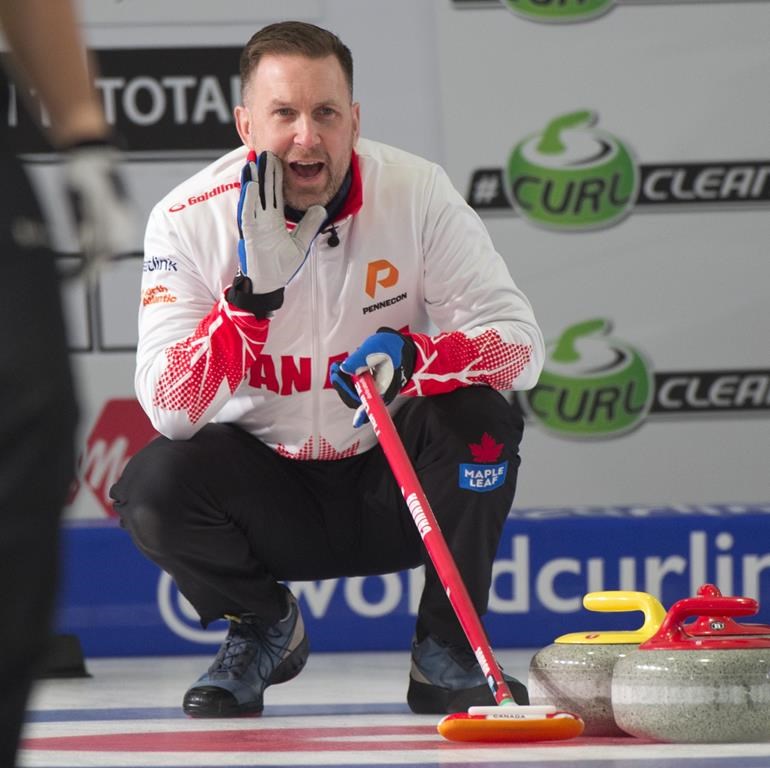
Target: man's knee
460, 418
147, 495
465, 447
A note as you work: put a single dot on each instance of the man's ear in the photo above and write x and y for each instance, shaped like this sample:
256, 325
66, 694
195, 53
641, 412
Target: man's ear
356, 121
243, 124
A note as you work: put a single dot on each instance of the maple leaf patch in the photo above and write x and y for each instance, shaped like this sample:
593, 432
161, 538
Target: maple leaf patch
487, 451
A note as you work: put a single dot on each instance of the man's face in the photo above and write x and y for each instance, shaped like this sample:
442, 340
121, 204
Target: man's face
300, 109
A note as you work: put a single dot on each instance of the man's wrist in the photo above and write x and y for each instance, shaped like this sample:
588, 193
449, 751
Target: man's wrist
261, 305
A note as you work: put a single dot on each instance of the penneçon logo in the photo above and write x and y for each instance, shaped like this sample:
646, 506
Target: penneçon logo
380, 272
572, 176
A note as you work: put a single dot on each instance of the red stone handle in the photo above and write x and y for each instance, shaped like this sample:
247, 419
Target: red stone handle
673, 631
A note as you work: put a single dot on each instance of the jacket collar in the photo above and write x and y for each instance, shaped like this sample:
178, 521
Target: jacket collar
350, 196
355, 196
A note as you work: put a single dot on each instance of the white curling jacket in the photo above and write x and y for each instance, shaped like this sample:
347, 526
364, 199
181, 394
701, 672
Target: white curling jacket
412, 255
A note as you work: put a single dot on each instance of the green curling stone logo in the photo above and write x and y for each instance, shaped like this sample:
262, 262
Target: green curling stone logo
572, 176
592, 385
559, 10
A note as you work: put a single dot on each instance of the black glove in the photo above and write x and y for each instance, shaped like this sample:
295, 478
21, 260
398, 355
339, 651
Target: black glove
389, 355
105, 218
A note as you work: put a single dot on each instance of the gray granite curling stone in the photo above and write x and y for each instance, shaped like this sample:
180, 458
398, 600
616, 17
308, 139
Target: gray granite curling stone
577, 678
696, 689
575, 673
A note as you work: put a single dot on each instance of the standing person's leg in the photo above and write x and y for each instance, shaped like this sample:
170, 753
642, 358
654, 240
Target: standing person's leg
37, 425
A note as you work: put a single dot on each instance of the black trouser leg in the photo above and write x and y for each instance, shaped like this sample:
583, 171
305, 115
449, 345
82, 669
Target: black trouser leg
462, 474
227, 517
203, 510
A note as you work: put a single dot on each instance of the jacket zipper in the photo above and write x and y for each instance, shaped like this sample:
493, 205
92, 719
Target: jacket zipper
315, 386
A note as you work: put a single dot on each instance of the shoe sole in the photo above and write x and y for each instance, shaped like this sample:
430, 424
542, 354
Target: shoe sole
196, 704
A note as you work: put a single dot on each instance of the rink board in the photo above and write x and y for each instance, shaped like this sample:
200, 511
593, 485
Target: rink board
118, 603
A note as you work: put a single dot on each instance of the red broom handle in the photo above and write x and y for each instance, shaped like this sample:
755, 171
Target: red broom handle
431, 534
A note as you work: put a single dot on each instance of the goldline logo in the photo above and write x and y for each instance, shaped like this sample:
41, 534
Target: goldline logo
418, 514
594, 385
572, 176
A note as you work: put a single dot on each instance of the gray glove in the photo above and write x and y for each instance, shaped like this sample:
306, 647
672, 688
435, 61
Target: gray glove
105, 218
269, 254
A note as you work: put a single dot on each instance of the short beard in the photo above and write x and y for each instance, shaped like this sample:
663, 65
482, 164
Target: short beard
305, 201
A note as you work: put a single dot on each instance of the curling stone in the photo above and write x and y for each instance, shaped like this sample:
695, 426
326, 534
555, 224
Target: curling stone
575, 673
681, 686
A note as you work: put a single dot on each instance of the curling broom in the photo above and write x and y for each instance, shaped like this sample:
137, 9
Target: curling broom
507, 721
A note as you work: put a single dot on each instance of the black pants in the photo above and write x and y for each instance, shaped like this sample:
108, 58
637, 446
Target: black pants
37, 425
227, 517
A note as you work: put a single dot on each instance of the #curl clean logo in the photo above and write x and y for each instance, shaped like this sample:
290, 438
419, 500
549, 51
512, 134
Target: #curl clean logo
558, 10
572, 176
592, 385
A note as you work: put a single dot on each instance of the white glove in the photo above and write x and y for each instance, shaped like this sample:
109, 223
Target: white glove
105, 218
269, 254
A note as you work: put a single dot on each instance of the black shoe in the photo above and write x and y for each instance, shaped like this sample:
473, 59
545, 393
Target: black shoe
252, 657
447, 678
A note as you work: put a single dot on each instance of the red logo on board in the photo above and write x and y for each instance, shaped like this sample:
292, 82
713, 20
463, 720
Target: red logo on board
120, 430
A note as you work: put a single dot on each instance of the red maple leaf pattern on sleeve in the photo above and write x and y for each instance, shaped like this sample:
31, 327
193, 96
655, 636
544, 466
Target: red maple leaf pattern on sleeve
487, 451
455, 359
223, 347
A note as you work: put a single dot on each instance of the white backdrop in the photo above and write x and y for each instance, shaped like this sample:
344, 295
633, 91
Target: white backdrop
682, 86
687, 286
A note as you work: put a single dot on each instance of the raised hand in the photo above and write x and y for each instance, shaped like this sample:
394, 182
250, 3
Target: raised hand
269, 255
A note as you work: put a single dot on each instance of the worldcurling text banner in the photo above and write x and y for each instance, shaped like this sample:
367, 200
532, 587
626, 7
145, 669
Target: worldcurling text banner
118, 603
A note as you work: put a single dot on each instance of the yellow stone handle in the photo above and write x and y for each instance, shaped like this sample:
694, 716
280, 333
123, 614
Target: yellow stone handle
620, 601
